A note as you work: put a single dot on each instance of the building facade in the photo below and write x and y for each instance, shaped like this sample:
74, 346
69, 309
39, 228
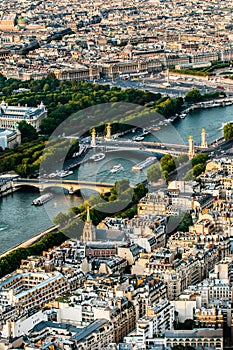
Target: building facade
11, 115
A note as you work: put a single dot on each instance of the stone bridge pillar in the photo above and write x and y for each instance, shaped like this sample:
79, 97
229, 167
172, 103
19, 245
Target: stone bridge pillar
71, 190
93, 138
191, 148
203, 139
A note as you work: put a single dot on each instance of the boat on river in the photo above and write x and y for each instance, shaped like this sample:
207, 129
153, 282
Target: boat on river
116, 168
147, 162
97, 157
138, 138
43, 199
52, 175
145, 132
65, 173
183, 115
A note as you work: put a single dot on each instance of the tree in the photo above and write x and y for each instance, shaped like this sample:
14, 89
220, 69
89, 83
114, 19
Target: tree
12, 260
139, 192
228, 131
185, 223
198, 169
60, 219
120, 186
28, 132
154, 173
199, 159
167, 163
183, 158
188, 176
51, 76
73, 148
46, 87
193, 96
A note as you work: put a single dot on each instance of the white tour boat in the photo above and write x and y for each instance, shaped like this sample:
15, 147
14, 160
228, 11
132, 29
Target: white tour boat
97, 157
43, 199
116, 168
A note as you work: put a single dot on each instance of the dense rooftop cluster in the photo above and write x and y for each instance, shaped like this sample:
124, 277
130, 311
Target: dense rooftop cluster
148, 286
88, 40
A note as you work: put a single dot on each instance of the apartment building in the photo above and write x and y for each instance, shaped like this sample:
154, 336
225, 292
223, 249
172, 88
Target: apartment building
142, 292
130, 253
202, 338
28, 291
119, 311
153, 205
161, 317
81, 73
95, 336
156, 322
209, 318
17, 327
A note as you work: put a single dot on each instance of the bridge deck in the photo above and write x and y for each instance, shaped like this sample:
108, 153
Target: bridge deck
60, 181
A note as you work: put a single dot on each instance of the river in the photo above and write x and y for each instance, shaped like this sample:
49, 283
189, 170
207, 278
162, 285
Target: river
211, 119
20, 220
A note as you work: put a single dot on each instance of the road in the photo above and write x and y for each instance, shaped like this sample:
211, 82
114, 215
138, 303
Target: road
179, 85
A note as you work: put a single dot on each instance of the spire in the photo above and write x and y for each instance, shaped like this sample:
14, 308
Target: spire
89, 233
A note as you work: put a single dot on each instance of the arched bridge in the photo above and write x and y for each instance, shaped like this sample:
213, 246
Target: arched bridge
71, 185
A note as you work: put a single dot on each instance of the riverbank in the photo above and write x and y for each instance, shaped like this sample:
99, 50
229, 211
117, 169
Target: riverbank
7, 188
223, 102
27, 243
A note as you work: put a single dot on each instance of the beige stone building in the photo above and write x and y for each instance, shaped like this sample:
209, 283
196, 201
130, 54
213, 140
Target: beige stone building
11, 115
201, 338
29, 291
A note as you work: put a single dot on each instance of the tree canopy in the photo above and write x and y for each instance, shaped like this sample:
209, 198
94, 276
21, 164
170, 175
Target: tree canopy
193, 96
154, 173
28, 132
228, 131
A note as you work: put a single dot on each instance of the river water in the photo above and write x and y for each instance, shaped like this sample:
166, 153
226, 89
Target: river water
19, 220
210, 119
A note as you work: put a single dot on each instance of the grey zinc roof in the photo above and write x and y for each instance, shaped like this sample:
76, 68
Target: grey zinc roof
89, 330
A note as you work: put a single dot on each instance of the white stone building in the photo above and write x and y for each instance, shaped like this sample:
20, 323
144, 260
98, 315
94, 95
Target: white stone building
11, 115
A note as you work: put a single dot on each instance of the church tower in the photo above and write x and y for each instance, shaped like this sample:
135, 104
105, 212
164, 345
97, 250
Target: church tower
89, 233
